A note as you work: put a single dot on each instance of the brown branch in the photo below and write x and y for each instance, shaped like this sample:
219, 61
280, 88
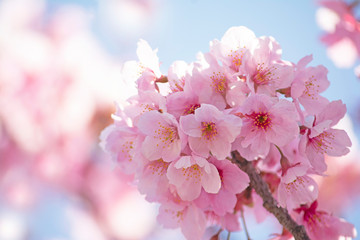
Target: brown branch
269, 203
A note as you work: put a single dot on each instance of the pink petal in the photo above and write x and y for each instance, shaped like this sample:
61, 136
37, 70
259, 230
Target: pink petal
199, 146
313, 105
190, 126
168, 215
304, 61
334, 111
234, 179
208, 113
220, 148
187, 186
230, 128
149, 121
172, 151
319, 128
223, 202
211, 181
194, 223
340, 144
152, 148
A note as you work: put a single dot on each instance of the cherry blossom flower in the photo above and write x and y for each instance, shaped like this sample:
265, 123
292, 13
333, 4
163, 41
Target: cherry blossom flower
211, 82
190, 174
265, 70
182, 102
233, 181
309, 82
322, 139
121, 143
229, 221
145, 71
322, 225
163, 138
296, 189
135, 106
267, 120
177, 74
153, 181
210, 130
187, 216
232, 47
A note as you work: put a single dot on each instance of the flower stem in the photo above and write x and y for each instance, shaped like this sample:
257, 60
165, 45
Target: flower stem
245, 227
269, 203
228, 236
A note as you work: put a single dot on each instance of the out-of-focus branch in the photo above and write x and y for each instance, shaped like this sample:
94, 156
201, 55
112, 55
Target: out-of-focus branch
269, 203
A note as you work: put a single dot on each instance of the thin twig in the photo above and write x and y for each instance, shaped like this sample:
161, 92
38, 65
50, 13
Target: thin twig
228, 236
245, 227
269, 203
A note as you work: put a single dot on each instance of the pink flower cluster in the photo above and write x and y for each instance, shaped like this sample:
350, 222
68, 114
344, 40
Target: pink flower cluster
175, 137
338, 19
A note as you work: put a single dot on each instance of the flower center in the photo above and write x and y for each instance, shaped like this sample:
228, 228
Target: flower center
218, 82
158, 167
312, 88
167, 134
261, 120
194, 172
264, 75
208, 130
323, 141
191, 109
177, 85
236, 58
125, 150
293, 186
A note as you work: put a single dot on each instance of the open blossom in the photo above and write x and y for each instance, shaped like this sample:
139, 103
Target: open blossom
232, 47
187, 216
322, 225
210, 130
182, 102
267, 120
137, 105
163, 138
309, 82
153, 181
190, 174
233, 181
322, 139
265, 70
229, 222
212, 81
296, 187
145, 71
177, 73
121, 143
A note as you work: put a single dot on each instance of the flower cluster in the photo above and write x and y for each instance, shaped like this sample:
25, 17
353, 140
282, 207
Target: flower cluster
175, 137
337, 18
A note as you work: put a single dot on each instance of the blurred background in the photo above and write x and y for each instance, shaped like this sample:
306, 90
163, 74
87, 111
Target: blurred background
60, 73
